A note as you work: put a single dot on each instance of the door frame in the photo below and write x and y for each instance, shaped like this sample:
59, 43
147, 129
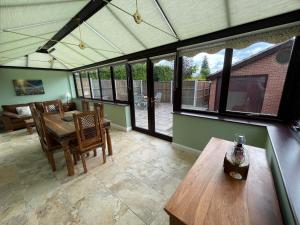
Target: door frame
150, 102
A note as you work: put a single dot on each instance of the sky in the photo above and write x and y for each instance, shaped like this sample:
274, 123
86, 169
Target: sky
216, 60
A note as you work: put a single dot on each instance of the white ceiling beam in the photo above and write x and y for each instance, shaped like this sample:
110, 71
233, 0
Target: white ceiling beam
78, 53
7, 5
126, 28
103, 38
96, 51
11, 49
35, 25
161, 11
59, 60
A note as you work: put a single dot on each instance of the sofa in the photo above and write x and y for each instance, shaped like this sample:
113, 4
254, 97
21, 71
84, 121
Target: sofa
11, 119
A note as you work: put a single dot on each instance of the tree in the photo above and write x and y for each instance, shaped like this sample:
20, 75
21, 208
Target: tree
205, 70
163, 73
139, 71
188, 68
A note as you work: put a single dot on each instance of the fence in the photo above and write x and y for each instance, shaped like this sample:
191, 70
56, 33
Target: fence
194, 93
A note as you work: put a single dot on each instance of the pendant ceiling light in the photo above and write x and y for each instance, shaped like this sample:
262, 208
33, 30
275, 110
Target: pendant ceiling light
138, 18
81, 44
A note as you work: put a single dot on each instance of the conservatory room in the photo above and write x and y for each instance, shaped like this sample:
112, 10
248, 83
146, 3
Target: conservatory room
149, 112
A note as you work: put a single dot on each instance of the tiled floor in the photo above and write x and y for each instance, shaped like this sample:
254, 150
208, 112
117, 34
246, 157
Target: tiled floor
163, 118
131, 188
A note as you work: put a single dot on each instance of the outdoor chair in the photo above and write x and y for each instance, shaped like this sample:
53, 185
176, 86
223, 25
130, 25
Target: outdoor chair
140, 101
157, 97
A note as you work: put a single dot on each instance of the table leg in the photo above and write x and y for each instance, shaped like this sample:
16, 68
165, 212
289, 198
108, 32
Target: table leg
68, 157
109, 146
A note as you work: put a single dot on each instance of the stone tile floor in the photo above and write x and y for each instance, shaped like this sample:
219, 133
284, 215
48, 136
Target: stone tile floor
131, 188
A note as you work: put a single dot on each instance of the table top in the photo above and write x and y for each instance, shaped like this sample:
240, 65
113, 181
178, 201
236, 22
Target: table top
61, 128
209, 196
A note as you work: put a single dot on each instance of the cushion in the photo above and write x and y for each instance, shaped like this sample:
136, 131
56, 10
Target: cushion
23, 111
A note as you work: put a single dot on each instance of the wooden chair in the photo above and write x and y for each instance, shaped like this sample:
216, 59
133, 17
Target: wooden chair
99, 108
54, 106
49, 145
90, 135
85, 105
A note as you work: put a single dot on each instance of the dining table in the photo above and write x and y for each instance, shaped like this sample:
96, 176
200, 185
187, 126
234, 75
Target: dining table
63, 131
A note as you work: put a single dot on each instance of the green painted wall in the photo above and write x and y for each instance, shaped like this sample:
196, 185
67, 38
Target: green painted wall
195, 132
281, 193
118, 114
56, 84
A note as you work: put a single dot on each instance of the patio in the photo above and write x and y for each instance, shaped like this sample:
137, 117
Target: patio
163, 118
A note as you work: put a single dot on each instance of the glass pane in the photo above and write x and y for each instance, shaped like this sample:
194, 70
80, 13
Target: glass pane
95, 87
257, 77
140, 95
78, 84
85, 84
199, 90
105, 76
163, 73
121, 82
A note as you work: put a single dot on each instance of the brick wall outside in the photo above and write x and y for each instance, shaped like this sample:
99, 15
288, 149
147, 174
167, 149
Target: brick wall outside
276, 76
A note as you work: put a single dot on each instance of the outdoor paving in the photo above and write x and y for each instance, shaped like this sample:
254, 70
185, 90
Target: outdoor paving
163, 118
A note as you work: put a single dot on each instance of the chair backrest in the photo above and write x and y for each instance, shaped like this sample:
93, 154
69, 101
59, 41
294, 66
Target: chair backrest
35, 116
85, 105
89, 129
158, 96
54, 106
41, 127
99, 109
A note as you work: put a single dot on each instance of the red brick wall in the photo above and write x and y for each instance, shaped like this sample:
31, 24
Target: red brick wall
276, 76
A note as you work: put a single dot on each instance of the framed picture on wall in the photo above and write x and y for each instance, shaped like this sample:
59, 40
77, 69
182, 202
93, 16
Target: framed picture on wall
28, 87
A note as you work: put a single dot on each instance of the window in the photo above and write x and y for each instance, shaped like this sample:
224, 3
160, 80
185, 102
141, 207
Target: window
200, 88
106, 86
120, 82
95, 85
85, 84
257, 77
78, 84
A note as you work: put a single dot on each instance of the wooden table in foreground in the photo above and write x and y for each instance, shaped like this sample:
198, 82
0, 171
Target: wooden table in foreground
64, 132
208, 196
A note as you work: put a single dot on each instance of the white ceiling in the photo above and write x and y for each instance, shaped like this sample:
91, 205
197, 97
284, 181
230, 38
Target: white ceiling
111, 33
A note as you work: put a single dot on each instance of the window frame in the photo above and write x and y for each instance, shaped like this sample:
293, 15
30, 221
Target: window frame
225, 79
114, 85
97, 69
282, 115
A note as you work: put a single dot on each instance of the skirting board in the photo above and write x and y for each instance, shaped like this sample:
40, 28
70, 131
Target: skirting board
116, 126
186, 149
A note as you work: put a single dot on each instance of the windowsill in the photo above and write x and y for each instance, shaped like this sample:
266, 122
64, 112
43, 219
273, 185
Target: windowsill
105, 102
287, 153
248, 121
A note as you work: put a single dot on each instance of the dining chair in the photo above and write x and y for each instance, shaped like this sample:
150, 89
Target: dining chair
90, 135
54, 106
85, 105
49, 144
99, 109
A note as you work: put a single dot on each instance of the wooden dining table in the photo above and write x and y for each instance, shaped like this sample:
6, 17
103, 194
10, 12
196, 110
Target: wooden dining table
64, 132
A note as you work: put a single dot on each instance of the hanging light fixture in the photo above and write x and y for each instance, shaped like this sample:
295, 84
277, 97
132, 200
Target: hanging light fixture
81, 44
137, 16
